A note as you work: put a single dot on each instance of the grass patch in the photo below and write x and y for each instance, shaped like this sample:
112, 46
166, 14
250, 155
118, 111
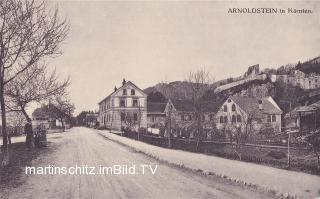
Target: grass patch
20, 157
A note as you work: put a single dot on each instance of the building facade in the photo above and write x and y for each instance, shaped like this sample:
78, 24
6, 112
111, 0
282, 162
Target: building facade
156, 115
125, 107
299, 79
249, 114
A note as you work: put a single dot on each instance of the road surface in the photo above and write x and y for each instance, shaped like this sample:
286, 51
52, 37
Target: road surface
82, 146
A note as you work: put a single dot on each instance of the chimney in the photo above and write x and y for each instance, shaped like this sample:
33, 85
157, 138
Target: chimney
260, 105
123, 81
115, 89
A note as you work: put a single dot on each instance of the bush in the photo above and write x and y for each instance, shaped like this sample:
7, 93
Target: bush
277, 154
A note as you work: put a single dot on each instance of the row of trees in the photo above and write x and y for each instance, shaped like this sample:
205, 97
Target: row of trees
29, 34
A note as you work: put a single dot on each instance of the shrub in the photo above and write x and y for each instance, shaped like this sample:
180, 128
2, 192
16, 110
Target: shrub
277, 154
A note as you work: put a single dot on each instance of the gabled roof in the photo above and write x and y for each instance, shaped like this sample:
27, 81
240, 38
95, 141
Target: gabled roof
183, 105
155, 107
128, 82
187, 105
211, 106
251, 105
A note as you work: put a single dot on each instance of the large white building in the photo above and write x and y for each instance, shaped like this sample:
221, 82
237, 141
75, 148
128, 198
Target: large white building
125, 107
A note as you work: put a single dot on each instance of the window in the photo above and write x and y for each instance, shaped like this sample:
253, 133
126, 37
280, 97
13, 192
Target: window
133, 92
225, 108
182, 117
135, 103
124, 92
229, 100
233, 119
153, 119
238, 118
123, 116
269, 118
112, 103
233, 107
274, 118
122, 103
221, 119
135, 117
225, 119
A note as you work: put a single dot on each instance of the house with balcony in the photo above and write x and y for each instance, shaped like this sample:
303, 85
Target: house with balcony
125, 107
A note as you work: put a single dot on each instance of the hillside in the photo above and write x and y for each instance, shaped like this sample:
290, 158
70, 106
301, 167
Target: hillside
254, 85
311, 66
173, 90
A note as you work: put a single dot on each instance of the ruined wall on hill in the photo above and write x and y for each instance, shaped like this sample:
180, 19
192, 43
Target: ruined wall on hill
257, 90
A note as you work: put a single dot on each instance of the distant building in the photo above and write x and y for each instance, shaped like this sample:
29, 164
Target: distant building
41, 116
299, 79
304, 118
183, 116
125, 107
252, 71
156, 115
91, 119
249, 113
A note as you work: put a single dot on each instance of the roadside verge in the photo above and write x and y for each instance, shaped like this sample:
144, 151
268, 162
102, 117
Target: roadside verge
288, 184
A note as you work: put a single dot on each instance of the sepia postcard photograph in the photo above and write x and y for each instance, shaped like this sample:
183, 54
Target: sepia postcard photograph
159, 99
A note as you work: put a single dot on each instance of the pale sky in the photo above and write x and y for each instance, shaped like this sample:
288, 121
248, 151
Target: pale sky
152, 42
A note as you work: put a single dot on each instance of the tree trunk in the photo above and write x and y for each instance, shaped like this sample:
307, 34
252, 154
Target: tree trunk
199, 131
5, 160
28, 130
62, 123
318, 155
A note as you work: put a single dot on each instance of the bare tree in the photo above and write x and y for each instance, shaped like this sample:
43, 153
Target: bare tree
35, 84
313, 140
28, 33
61, 109
167, 92
200, 82
239, 130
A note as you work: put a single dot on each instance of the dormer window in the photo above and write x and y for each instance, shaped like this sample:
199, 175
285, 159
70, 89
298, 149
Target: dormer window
124, 92
133, 92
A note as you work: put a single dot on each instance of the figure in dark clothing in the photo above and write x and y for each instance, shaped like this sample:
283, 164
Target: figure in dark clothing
29, 135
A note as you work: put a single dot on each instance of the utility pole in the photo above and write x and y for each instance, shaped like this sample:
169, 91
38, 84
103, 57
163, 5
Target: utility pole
288, 162
289, 139
169, 126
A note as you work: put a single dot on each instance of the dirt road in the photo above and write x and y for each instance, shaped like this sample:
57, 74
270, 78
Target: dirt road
82, 146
